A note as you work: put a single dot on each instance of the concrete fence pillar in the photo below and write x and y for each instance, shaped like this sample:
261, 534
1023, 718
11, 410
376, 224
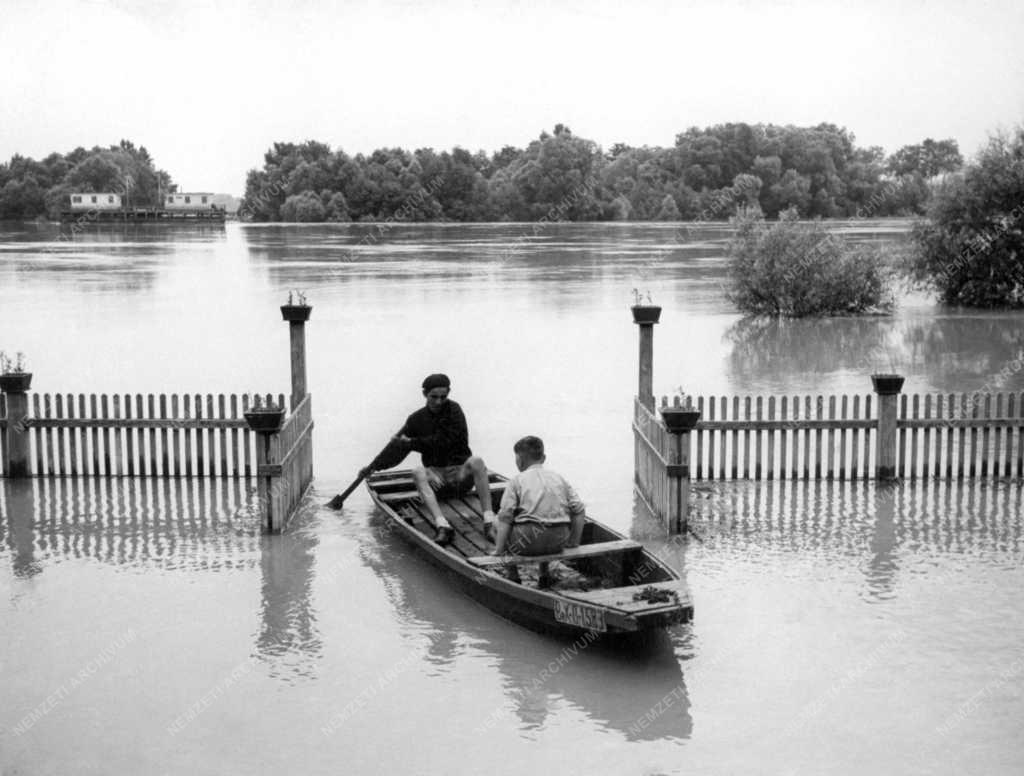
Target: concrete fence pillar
888, 387
679, 422
645, 316
16, 436
297, 315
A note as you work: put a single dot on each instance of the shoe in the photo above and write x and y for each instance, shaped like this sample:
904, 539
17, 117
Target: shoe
444, 535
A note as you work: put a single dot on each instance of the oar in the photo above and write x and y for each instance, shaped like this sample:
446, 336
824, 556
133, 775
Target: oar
394, 453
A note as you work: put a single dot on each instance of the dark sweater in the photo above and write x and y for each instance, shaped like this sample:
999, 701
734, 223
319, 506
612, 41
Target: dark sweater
442, 439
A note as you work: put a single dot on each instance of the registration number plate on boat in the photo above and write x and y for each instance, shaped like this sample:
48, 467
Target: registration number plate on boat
580, 615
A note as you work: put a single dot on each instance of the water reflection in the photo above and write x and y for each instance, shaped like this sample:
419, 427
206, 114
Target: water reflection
882, 565
288, 638
550, 254
134, 522
619, 688
950, 353
189, 525
16, 527
881, 524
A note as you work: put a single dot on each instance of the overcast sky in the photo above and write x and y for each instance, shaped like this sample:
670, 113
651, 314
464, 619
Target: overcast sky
208, 86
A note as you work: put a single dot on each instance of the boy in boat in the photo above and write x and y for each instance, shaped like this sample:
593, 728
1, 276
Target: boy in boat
438, 432
540, 512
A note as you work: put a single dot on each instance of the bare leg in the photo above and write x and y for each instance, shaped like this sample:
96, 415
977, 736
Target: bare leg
504, 529
576, 532
419, 474
478, 468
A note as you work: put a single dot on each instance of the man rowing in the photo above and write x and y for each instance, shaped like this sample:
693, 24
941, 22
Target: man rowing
438, 432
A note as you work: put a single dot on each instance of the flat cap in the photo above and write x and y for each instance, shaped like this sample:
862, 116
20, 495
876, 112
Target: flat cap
436, 381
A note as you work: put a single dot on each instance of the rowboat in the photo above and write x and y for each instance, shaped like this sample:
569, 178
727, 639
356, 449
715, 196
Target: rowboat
608, 585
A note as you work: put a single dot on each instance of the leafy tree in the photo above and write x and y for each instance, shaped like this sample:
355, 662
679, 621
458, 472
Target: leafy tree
928, 159
620, 209
669, 210
559, 176
34, 188
337, 208
971, 246
303, 208
797, 269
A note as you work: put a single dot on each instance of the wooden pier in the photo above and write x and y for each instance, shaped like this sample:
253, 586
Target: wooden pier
143, 215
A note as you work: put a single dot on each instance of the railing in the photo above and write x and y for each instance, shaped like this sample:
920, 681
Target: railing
151, 436
660, 470
835, 437
285, 465
798, 437
883, 435
187, 435
961, 435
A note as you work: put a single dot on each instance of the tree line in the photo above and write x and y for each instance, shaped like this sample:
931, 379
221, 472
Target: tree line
32, 189
817, 171
968, 249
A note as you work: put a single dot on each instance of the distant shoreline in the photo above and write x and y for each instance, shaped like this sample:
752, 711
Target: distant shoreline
851, 220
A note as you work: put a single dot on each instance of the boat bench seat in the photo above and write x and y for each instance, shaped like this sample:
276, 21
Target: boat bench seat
574, 553
403, 495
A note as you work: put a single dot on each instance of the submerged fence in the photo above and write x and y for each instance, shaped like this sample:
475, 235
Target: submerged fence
177, 435
835, 437
135, 435
883, 435
286, 464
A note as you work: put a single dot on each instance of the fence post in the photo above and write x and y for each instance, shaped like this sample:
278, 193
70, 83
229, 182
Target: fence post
268, 485
297, 315
266, 424
645, 316
679, 422
888, 388
16, 448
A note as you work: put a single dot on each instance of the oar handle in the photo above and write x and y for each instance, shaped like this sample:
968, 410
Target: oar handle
355, 484
392, 454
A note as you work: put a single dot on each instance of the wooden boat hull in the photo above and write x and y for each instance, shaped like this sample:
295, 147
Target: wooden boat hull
608, 609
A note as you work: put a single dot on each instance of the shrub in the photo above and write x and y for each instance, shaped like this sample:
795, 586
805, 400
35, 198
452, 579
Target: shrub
669, 210
798, 269
970, 248
304, 207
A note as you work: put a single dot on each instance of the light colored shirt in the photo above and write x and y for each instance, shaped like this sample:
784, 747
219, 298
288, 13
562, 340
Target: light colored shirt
539, 495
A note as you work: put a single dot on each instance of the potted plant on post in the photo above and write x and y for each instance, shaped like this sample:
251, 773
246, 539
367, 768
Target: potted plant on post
13, 377
644, 313
264, 418
887, 384
884, 378
681, 416
296, 313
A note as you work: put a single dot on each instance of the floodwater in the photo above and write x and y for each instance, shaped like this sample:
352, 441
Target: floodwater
148, 627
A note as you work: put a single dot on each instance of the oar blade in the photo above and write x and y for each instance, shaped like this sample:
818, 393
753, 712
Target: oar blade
394, 453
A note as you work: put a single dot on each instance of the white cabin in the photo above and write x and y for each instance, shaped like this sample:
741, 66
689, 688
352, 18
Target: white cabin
100, 200
201, 200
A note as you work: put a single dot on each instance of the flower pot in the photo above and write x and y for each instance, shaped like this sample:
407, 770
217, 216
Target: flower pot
646, 313
886, 385
265, 421
294, 313
15, 382
678, 419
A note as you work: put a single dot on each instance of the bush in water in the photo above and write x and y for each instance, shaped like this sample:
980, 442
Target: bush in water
797, 269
